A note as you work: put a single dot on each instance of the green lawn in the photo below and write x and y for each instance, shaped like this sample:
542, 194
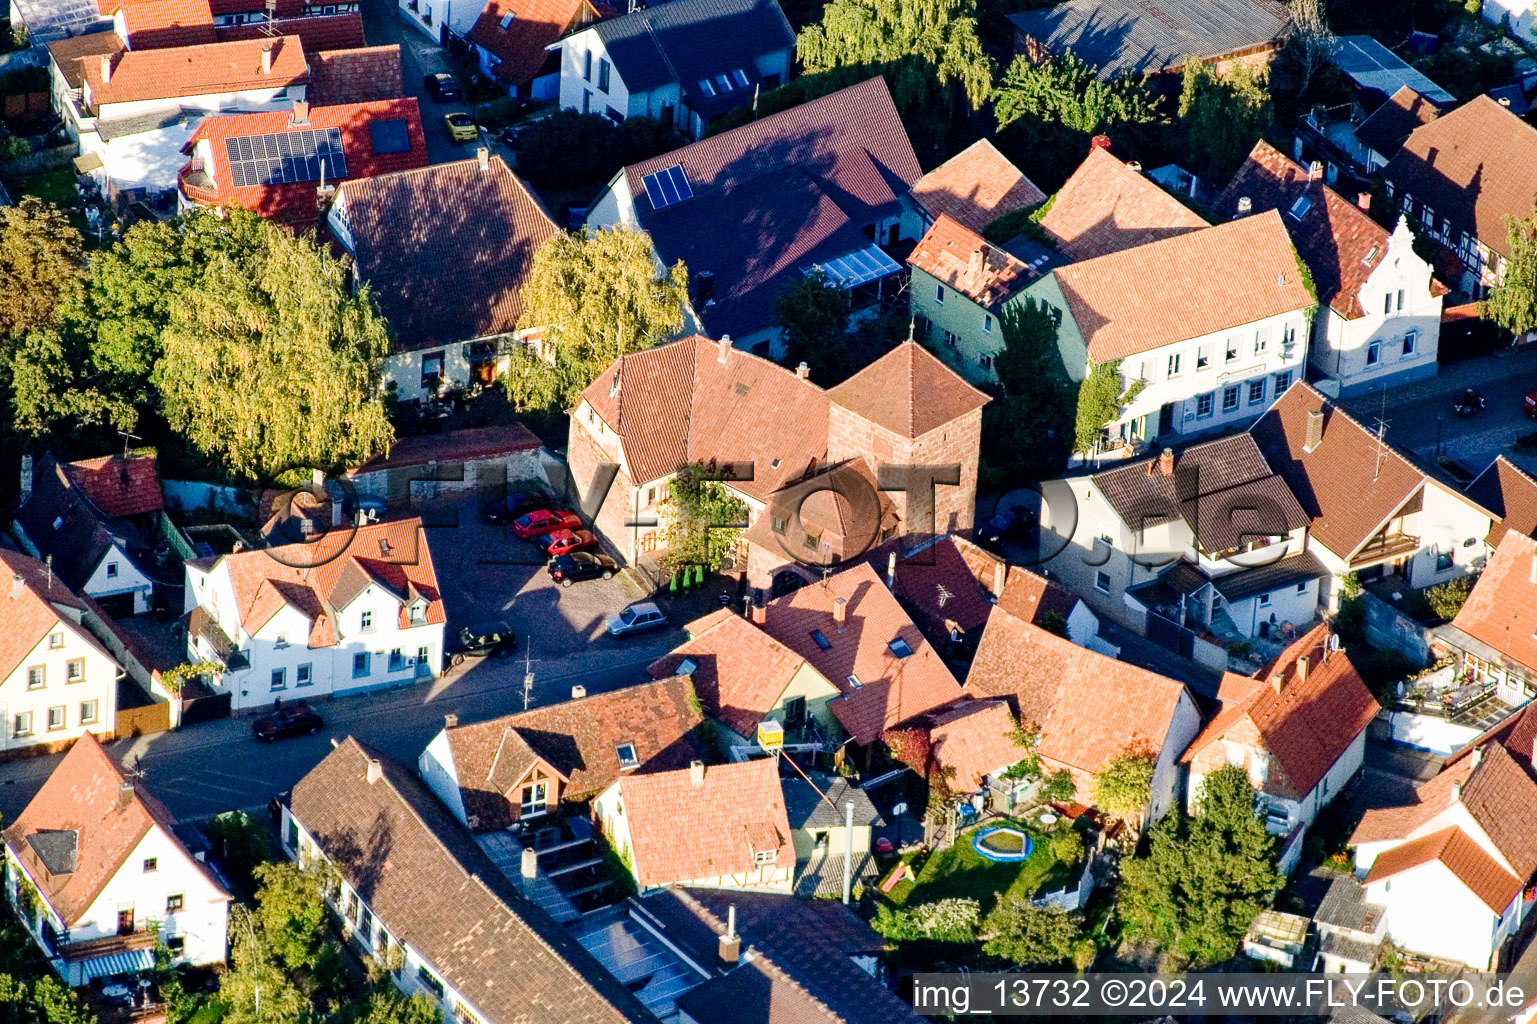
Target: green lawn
961, 871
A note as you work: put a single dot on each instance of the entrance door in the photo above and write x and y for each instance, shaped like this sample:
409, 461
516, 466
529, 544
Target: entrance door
1166, 419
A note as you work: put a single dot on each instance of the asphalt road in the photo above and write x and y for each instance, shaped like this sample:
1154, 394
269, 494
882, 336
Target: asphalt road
419, 57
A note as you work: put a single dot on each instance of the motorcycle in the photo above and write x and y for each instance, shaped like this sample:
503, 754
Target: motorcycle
1470, 403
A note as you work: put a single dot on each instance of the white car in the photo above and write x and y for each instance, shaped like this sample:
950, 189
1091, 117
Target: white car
637, 618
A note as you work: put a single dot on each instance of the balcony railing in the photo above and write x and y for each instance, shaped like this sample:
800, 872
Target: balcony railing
88, 949
1385, 548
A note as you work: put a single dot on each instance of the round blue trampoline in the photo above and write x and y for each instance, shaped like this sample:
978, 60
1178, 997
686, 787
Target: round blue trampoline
1002, 843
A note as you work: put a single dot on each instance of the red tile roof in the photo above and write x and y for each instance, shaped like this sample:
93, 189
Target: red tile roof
1087, 707
741, 671
1339, 241
454, 446
195, 71
971, 740
1308, 725
519, 49
119, 488
295, 203
356, 75
84, 795
1511, 494
681, 832
1195, 284
158, 24
1350, 485
327, 32
1403, 820
1502, 609
960, 258
1106, 207
908, 391
283, 9
35, 610
975, 187
1463, 857
1386, 128
891, 689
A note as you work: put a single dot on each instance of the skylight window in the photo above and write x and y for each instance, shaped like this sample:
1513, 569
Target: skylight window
667, 186
627, 757
854, 681
740, 78
507, 20
723, 82
687, 666
900, 648
820, 640
1371, 257
705, 87
1300, 208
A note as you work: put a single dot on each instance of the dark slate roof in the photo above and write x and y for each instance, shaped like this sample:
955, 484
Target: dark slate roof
435, 890
1345, 906
778, 195
1386, 128
63, 524
1136, 37
819, 803
57, 849
685, 41
1265, 578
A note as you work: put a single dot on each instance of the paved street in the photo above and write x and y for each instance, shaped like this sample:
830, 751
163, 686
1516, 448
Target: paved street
1417, 413
419, 57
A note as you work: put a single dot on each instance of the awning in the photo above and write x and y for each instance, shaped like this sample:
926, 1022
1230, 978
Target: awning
857, 268
131, 962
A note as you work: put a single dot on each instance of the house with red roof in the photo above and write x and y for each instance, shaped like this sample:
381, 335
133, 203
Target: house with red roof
1298, 728
1379, 322
511, 40
1494, 636
975, 187
357, 609
722, 826
318, 148
98, 876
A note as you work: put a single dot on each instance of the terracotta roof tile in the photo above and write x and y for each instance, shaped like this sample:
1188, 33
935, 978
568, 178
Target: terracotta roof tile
947, 581
908, 391
1106, 207
35, 610
449, 225
1502, 609
1344, 485
1403, 820
356, 75
322, 32
158, 24
435, 890
1386, 128
519, 48
681, 832
119, 488
1209, 280
1475, 166
741, 671
83, 795
975, 187
1511, 494
892, 688
961, 259
843, 509
973, 738
462, 445
1308, 725
1087, 707
1481, 873
195, 71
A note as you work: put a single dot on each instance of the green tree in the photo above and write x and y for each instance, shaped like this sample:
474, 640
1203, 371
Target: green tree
1066, 91
697, 515
1028, 935
1311, 41
257, 989
1101, 397
242, 844
1512, 302
1223, 115
1029, 432
1124, 785
52, 384
270, 363
1205, 877
815, 318
291, 911
948, 920
41, 263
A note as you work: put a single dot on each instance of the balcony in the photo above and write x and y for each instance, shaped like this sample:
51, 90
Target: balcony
90, 949
196, 185
1388, 547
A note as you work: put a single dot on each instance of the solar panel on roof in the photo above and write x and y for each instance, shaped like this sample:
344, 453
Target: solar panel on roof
390, 136
284, 157
667, 186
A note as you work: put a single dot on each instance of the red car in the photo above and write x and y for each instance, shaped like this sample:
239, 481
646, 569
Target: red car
1530, 405
543, 521
564, 542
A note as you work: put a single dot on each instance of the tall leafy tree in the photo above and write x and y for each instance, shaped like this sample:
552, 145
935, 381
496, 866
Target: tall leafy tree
1223, 115
815, 318
290, 907
1311, 41
1029, 431
257, 988
1124, 785
1101, 396
1028, 935
700, 517
1512, 302
269, 362
1205, 877
41, 263
1067, 91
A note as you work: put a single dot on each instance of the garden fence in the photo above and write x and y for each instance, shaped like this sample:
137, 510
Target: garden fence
1069, 900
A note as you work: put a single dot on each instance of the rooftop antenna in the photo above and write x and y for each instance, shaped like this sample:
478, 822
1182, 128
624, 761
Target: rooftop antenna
272, 16
128, 439
912, 323
1382, 427
528, 677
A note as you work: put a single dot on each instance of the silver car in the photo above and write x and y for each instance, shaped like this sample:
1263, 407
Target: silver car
637, 618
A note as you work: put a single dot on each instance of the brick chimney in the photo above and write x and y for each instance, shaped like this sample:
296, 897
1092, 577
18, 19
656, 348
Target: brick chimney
977, 265
1302, 668
1315, 430
106, 68
1000, 578
1277, 681
1364, 201
1166, 462
803, 371
730, 947
267, 59
724, 347
301, 114
375, 770
840, 612
1100, 142
450, 721
696, 774
124, 794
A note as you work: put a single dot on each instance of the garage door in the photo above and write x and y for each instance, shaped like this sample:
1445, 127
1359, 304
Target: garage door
118, 606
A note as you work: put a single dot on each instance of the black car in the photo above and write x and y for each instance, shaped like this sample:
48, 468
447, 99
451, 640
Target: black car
442, 86
287, 720
579, 566
487, 639
1007, 524
502, 511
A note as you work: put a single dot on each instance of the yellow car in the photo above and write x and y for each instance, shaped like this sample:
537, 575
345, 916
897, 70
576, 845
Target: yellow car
461, 128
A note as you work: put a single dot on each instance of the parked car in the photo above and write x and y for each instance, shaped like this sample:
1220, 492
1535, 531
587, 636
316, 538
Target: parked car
502, 511
581, 565
460, 127
1007, 524
297, 719
442, 86
512, 135
493, 639
542, 521
564, 542
637, 618
1529, 403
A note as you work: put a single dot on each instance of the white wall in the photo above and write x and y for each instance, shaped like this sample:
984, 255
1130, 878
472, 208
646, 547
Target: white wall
1522, 17
1183, 728
1445, 523
437, 769
1285, 605
244, 101
1430, 911
98, 683
115, 574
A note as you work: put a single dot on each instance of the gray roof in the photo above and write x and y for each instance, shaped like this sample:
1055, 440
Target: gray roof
1142, 37
58, 849
1335, 944
685, 41
1371, 65
1266, 578
822, 874
63, 524
806, 806
1345, 906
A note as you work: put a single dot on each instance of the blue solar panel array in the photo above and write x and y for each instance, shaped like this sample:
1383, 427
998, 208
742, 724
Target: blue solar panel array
284, 157
667, 186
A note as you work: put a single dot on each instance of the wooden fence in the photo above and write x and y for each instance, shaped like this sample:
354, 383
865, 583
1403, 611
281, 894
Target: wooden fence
141, 721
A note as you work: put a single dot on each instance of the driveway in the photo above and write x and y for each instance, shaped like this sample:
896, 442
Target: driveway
1420, 414
419, 57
